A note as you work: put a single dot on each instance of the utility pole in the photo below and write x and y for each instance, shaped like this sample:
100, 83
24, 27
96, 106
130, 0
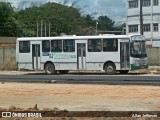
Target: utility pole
41, 28
49, 29
45, 29
37, 28
96, 28
141, 18
151, 21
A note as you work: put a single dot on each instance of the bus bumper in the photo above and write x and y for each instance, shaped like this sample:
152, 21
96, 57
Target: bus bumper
134, 67
16, 65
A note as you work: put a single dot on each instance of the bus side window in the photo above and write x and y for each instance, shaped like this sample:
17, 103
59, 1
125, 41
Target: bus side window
94, 45
56, 45
45, 46
110, 45
24, 46
69, 45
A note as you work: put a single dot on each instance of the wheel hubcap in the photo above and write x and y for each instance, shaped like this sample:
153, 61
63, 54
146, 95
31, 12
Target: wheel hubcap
109, 69
49, 70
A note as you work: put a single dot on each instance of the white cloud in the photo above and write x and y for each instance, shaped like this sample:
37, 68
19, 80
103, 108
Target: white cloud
95, 2
115, 9
13, 2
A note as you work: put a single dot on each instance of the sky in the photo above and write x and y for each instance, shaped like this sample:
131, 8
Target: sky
114, 9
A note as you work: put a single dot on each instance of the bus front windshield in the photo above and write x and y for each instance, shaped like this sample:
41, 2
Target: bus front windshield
138, 49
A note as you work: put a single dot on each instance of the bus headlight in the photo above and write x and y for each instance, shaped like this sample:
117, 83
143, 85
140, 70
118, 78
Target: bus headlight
136, 62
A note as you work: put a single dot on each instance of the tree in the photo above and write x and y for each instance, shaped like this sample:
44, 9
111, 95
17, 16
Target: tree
63, 19
105, 23
90, 20
8, 26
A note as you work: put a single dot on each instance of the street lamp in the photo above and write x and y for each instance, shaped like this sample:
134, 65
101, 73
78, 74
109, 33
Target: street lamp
96, 28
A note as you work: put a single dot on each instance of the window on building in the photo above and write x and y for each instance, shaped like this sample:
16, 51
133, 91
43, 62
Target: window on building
155, 27
133, 4
133, 28
24, 46
146, 3
56, 45
155, 2
45, 46
69, 45
94, 45
110, 45
146, 27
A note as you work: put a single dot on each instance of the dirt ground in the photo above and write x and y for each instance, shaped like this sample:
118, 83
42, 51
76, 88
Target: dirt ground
80, 97
70, 97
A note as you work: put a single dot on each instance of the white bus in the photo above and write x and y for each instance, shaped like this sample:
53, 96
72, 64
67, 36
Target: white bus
109, 53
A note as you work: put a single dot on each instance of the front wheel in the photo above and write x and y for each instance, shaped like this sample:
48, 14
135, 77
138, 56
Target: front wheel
49, 69
110, 69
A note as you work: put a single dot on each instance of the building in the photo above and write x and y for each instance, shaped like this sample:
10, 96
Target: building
151, 20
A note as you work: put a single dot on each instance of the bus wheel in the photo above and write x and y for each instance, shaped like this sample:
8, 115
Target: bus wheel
124, 71
63, 71
110, 69
50, 69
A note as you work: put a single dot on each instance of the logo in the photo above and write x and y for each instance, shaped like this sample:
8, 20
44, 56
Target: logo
6, 114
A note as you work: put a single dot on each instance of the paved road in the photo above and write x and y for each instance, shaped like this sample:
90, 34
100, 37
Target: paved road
131, 79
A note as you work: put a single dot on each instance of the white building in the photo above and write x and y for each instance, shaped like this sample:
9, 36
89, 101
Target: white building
151, 20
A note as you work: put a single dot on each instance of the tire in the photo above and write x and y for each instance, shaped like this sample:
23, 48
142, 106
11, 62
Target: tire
49, 69
124, 71
110, 69
63, 71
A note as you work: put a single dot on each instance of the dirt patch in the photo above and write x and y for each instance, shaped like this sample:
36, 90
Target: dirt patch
80, 97
55, 97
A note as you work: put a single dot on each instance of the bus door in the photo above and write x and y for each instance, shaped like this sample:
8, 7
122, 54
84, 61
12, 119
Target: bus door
124, 55
81, 56
36, 56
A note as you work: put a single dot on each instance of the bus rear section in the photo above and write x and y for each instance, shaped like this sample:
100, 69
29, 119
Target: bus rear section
28, 54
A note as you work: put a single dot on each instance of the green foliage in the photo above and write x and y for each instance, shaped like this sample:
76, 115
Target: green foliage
62, 18
8, 26
105, 23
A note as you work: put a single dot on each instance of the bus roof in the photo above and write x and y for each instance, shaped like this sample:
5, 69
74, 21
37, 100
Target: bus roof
75, 37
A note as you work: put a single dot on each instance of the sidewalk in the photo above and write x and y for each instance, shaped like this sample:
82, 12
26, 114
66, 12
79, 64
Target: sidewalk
19, 72
151, 70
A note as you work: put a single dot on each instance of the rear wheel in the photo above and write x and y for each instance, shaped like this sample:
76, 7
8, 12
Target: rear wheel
110, 69
49, 69
63, 71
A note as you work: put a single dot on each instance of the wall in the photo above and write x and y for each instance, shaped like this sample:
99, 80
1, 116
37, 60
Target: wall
7, 57
153, 56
